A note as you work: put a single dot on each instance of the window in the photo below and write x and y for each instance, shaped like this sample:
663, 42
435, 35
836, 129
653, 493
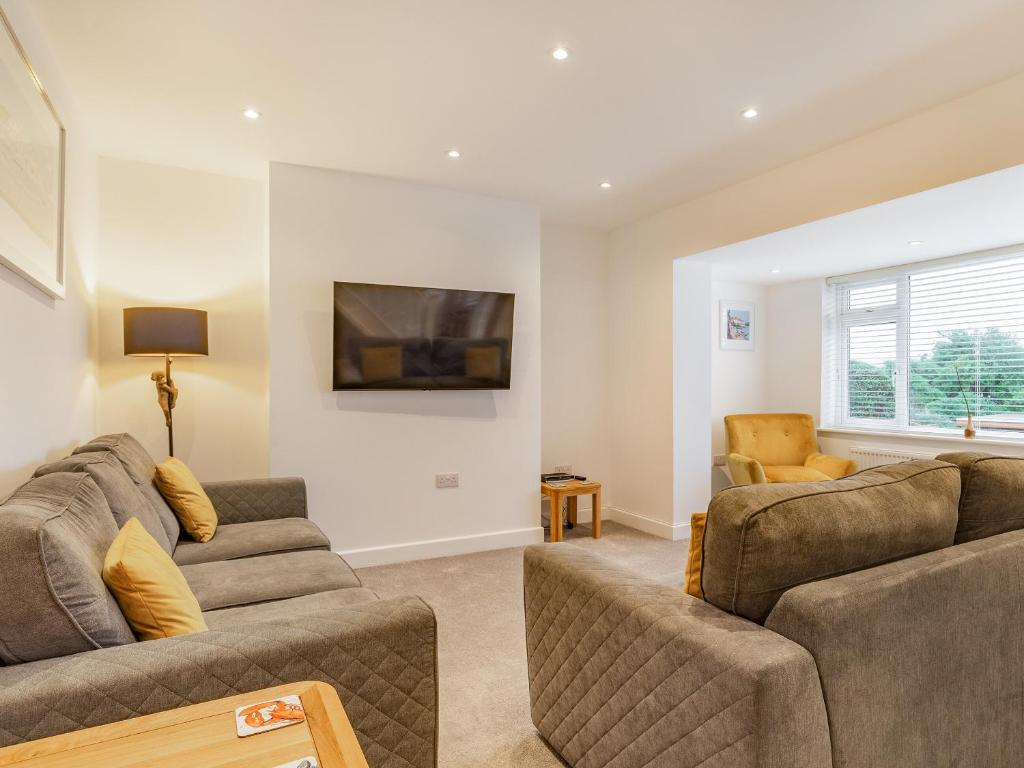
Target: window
910, 349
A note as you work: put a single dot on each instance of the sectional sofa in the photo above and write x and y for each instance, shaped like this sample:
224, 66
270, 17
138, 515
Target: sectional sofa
280, 605
871, 622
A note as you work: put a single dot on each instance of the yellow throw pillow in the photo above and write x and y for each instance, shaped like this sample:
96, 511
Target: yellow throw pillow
149, 587
187, 498
694, 559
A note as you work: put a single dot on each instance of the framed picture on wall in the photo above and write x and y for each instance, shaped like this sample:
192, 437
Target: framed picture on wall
736, 325
32, 145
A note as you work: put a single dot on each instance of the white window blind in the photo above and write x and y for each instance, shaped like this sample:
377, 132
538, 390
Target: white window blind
913, 348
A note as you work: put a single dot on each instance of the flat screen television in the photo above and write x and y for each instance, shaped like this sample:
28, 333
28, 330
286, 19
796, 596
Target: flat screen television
399, 337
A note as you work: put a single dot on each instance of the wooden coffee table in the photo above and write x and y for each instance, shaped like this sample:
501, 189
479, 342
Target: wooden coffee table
570, 491
204, 736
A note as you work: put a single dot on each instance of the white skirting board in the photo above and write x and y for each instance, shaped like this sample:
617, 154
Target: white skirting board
463, 545
457, 545
648, 524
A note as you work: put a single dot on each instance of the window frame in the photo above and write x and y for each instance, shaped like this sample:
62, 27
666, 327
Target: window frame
837, 320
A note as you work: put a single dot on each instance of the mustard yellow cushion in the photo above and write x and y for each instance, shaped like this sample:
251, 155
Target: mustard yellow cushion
694, 559
187, 498
794, 475
149, 587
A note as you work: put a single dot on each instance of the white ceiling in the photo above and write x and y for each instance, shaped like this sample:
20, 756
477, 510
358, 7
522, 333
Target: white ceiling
650, 97
973, 215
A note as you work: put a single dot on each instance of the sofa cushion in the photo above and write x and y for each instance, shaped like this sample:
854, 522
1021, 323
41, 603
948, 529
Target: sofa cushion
761, 540
122, 494
148, 585
991, 494
140, 468
263, 537
289, 609
56, 531
274, 577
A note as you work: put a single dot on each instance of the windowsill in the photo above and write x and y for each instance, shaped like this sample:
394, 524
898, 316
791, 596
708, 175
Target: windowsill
917, 437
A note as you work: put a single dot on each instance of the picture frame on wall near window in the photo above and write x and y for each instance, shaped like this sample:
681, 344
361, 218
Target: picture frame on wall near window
737, 325
32, 160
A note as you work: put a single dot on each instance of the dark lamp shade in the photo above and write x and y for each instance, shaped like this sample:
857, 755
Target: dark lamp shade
157, 331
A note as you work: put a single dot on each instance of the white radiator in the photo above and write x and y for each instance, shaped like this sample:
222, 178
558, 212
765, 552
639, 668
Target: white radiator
868, 456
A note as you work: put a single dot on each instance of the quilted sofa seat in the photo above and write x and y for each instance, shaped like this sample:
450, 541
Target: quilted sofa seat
274, 577
259, 537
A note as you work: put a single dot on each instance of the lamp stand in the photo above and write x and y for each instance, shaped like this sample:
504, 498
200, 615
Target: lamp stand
167, 398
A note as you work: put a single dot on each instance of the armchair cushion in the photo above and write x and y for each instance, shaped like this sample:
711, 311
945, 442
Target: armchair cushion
263, 537
832, 466
786, 474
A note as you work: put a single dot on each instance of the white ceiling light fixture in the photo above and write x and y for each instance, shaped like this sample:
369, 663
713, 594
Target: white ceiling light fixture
454, 154
749, 113
560, 53
251, 114
775, 271
605, 185
915, 242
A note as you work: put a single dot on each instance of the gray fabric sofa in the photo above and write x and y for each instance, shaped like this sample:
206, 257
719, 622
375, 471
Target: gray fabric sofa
280, 605
912, 659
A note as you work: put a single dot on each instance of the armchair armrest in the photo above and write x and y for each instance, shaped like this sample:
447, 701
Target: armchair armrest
833, 466
745, 471
380, 656
246, 501
626, 671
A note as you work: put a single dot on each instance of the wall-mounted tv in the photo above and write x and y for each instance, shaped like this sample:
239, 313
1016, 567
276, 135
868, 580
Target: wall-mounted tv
399, 337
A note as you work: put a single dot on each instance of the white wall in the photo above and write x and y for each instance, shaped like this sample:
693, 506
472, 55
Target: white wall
48, 376
175, 237
739, 378
574, 349
369, 458
963, 138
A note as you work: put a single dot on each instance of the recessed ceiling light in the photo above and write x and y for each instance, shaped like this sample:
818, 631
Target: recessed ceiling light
915, 242
775, 270
606, 185
250, 113
560, 54
453, 153
750, 113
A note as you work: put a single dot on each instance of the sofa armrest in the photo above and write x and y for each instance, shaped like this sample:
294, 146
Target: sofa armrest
625, 671
246, 501
381, 657
833, 466
745, 471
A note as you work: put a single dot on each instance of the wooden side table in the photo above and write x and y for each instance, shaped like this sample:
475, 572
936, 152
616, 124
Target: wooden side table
571, 490
204, 736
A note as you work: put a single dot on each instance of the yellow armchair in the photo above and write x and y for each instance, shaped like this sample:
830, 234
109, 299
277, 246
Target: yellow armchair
779, 448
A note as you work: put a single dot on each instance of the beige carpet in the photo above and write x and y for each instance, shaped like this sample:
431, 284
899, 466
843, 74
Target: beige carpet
484, 693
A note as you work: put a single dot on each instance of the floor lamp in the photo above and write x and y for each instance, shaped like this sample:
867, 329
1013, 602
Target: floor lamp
165, 332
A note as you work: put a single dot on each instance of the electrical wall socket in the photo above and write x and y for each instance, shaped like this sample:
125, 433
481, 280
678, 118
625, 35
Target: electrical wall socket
446, 480
566, 468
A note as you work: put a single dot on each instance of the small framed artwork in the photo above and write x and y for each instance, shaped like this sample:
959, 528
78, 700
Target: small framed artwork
736, 325
31, 172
